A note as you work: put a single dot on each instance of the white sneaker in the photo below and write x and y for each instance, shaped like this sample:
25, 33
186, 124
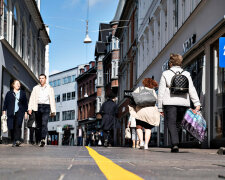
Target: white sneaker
146, 147
141, 145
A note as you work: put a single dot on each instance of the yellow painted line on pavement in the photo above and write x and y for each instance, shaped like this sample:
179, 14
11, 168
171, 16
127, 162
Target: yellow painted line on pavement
111, 170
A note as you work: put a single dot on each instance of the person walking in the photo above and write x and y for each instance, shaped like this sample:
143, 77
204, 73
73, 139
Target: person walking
79, 137
15, 106
146, 117
42, 102
132, 125
109, 112
174, 104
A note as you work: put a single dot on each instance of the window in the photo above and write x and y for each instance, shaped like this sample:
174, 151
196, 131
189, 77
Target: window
55, 118
68, 96
58, 82
81, 92
73, 95
64, 97
73, 78
95, 85
68, 115
15, 21
6, 10
176, 13
69, 79
29, 49
65, 80
57, 98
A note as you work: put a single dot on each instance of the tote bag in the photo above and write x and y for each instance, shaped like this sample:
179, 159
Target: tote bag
195, 124
127, 133
4, 124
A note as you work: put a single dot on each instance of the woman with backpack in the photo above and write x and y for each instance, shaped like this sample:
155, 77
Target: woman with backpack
176, 88
147, 117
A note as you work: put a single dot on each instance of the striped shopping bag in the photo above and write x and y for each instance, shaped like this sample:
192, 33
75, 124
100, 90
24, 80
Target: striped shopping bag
195, 124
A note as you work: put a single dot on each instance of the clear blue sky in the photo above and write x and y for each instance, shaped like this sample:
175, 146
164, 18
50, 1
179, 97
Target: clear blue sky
66, 19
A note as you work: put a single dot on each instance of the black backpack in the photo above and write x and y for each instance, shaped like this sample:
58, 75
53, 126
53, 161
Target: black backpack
179, 83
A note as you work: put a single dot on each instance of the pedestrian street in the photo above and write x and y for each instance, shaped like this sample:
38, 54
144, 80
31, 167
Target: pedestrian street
66, 162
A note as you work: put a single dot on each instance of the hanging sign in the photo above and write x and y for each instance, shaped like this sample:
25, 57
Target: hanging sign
222, 52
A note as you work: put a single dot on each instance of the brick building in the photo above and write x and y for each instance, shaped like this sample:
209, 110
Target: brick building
87, 93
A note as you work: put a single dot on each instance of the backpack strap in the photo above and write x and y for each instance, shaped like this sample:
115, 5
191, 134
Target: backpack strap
176, 72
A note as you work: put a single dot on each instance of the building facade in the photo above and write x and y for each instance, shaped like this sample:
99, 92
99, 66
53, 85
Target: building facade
87, 94
66, 96
128, 59
23, 41
192, 29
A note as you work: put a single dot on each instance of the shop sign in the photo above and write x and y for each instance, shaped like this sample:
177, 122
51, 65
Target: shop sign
222, 52
128, 93
59, 129
189, 43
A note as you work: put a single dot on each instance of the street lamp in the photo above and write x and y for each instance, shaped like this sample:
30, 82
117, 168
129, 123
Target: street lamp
87, 38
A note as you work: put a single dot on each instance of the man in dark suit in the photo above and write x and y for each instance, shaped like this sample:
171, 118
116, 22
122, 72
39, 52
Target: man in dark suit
109, 112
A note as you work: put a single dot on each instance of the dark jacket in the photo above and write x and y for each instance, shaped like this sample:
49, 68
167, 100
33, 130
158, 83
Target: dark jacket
9, 106
109, 112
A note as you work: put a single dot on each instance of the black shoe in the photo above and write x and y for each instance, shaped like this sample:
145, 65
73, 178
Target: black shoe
42, 143
32, 142
106, 143
18, 143
174, 149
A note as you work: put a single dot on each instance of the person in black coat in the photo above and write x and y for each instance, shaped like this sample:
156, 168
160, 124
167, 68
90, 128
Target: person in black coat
109, 112
16, 107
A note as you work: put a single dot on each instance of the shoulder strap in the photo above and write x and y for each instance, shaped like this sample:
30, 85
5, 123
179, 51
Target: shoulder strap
15, 96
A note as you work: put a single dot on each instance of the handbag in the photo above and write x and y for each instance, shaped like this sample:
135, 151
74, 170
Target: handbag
144, 97
127, 133
195, 124
4, 124
99, 142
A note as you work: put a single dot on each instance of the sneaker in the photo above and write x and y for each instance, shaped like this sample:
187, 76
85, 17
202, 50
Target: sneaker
174, 149
142, 145
137, 147
42, 143
14, 144
18, 143
146, 147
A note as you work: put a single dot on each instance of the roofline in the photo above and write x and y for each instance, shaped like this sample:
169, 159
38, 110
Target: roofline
39, 14
63, 71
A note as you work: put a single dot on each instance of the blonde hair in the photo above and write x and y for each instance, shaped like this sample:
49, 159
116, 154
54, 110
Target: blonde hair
176, 59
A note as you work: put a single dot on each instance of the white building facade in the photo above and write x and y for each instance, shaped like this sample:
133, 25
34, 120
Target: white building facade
65, 88
191, 28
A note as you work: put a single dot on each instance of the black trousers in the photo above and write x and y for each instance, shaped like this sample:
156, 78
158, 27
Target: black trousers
16, 131
173, 117
42, 116
108, 135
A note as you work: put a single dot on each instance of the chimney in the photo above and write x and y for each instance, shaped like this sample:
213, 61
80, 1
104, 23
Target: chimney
38, 4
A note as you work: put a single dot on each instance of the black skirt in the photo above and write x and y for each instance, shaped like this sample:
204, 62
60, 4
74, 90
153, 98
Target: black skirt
144, 124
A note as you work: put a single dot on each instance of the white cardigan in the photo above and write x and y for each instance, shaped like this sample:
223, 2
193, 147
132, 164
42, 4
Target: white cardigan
166, 98
33, 102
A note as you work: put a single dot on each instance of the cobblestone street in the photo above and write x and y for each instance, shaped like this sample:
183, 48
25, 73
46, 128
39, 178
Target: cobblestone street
53, 162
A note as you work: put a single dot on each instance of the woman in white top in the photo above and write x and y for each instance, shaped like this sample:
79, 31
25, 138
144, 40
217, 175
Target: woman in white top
173, 105
132, 125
